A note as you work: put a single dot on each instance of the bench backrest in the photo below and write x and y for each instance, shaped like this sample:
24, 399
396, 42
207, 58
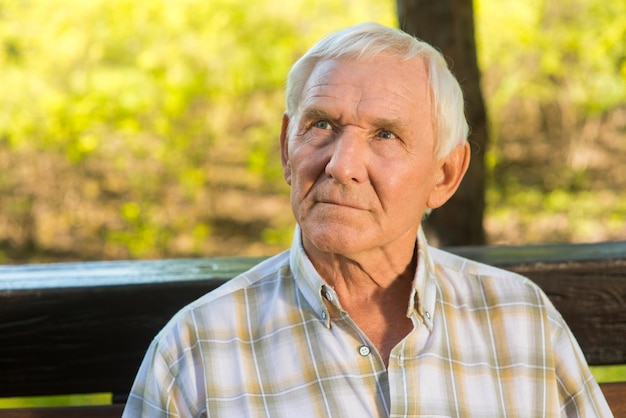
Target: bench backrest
84, 327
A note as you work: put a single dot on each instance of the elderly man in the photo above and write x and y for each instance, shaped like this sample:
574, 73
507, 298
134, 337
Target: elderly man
361, 317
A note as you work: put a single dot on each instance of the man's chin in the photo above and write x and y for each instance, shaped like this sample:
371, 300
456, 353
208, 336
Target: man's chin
333, 238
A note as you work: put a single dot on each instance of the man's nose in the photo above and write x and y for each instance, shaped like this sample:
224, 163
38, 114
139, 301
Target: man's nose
348, 159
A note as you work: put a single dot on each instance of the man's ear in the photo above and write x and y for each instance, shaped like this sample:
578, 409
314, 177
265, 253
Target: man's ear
284, 149
449, 174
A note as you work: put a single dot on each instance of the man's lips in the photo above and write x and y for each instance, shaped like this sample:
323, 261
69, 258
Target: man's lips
341, 203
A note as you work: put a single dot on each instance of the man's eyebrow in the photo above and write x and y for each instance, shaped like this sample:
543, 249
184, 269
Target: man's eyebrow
390, 124
314, 113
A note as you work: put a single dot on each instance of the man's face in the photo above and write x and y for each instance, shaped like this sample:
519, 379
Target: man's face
361, 162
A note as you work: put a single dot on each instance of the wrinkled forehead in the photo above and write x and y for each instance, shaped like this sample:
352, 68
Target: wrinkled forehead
388, 83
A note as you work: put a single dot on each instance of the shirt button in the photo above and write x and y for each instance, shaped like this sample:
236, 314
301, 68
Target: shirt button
324, 315
328, 296
364, 350
427, 315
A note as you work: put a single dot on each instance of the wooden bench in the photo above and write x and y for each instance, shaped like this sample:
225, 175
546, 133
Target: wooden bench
84, 327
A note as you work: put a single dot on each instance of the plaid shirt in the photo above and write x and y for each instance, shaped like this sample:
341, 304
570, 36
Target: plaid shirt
275, 342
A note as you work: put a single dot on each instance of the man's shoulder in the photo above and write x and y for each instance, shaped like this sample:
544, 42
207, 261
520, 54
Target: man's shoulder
458, 263
220, 307
474, 275
469, 284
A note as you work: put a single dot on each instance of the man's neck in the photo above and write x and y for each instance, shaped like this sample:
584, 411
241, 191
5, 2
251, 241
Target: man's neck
374, 291
368, 273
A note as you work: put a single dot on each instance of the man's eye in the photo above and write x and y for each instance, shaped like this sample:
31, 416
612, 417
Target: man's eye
384, 134
322, 124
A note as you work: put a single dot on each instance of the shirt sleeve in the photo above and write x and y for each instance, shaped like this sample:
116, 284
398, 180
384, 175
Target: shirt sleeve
579, 393
155, 392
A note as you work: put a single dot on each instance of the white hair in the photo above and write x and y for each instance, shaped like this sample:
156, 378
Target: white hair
368, 40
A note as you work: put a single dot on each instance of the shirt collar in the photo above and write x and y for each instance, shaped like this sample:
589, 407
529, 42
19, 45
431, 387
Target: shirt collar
310, 283
424, 292
315, 289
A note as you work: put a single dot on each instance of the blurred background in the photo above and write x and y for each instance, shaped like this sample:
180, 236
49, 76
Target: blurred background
140, 130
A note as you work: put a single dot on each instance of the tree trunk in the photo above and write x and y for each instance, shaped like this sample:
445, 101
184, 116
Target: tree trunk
448, 25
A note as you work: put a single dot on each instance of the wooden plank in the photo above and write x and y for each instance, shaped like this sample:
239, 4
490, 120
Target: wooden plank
543, 253
84, 327
120, 273
83, 340
615, 394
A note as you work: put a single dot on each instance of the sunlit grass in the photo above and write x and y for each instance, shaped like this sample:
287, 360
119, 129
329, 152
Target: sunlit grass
61, 400
609, 374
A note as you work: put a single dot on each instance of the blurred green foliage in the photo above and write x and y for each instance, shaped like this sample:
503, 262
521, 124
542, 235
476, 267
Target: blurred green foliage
141, 130
554, 79
131, 107
571, 51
